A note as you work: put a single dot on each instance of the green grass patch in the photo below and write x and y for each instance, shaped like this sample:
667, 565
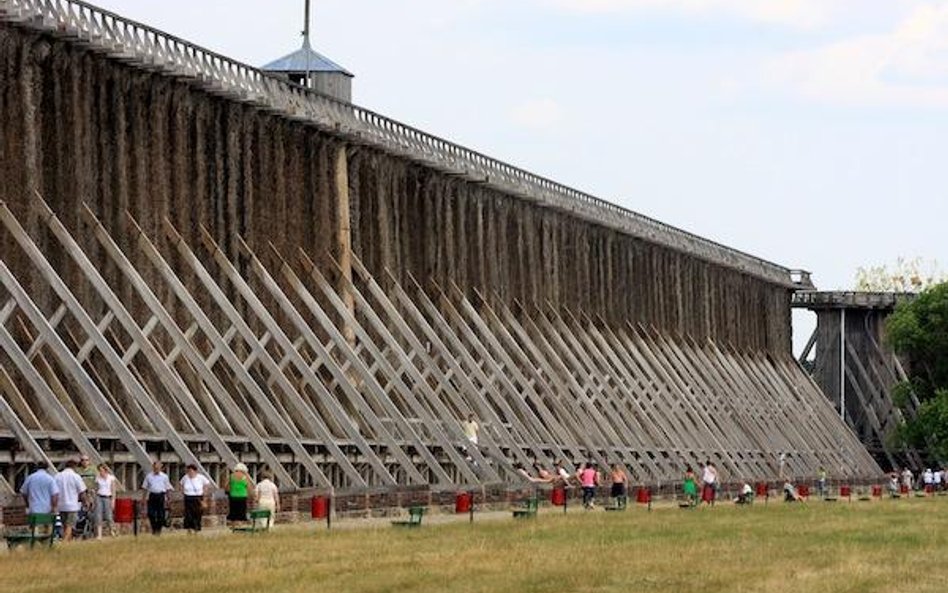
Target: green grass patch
868, 546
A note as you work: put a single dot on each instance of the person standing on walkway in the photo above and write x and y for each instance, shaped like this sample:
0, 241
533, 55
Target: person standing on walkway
709, 481
88, 474
40, 492
72, 494
689, 486
562, 476
588, 478
195, 487
268, 496
157, 486
619, 484
821, 481
106, 486
907, 478
239, 488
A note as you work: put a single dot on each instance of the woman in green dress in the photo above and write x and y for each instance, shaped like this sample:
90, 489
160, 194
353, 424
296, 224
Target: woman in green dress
690, 486
239, 487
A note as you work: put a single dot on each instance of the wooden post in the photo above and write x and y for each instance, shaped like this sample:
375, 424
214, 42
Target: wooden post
344, 235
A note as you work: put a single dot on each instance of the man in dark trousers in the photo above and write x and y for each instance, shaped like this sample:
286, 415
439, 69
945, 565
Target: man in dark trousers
156, 486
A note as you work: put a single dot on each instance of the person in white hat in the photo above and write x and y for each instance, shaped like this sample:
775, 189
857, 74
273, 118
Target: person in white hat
239, 489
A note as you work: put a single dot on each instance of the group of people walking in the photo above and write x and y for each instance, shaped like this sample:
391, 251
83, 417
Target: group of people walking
81, 492
928, 479
589, 478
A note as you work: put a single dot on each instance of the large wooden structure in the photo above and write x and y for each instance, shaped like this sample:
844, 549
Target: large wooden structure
207, 263
855, 367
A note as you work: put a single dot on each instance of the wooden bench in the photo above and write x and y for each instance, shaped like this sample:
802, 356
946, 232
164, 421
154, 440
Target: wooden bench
527, 511
414, 517
36, 521
261, 516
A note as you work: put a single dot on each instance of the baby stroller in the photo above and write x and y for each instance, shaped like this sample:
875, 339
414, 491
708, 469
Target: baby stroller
85, 528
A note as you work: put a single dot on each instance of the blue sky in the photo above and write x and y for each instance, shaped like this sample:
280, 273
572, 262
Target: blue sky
813, 133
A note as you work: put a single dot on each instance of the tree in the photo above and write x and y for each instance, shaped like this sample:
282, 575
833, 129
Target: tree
913, 275
918, 331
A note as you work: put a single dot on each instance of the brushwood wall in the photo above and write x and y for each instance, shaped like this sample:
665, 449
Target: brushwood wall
78, 127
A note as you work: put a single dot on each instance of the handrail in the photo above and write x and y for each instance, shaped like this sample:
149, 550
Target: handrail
150, 48
849, 299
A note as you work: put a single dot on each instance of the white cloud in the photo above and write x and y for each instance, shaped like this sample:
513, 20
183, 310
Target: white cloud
794, 13
906, 66
537, 114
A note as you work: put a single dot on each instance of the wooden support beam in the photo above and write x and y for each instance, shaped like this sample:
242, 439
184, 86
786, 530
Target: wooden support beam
181, 341
341, 308
467, 396
72, 366
51, 403
265, 403
12, 420
93, 332
290, 351
266, 360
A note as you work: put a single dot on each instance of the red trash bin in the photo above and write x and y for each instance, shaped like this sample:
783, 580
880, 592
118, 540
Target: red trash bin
707, 493
124, 510
643, 496
903, 489
804, 491
558, 496
320, 507
877, 491
761, 490
845, 491
929, 489
462, 502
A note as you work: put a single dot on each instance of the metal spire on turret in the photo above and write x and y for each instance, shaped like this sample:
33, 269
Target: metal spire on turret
311, 69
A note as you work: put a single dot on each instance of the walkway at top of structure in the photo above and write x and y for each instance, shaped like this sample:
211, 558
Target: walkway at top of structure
149, 48
817, 300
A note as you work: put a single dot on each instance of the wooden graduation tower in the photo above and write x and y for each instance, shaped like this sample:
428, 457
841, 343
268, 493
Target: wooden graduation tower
205, 262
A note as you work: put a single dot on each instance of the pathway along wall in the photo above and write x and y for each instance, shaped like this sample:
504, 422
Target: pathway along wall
76, 127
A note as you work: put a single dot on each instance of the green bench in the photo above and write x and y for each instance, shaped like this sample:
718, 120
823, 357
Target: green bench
527, 511
414, 517
35, 521
259, 521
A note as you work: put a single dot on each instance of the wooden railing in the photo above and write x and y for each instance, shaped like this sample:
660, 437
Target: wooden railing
849, 299
149, 48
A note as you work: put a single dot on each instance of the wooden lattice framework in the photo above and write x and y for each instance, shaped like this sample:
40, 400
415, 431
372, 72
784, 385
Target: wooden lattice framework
337, 397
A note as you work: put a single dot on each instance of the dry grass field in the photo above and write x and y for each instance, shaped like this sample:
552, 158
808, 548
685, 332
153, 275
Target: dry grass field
860, 546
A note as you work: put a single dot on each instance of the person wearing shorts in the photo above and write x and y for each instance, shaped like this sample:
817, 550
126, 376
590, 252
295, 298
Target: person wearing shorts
588, 478
72, 490
619, 480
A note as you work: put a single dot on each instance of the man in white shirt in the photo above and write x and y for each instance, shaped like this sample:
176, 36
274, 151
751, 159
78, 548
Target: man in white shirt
938, 478
156, 486
72, 492
927, 479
